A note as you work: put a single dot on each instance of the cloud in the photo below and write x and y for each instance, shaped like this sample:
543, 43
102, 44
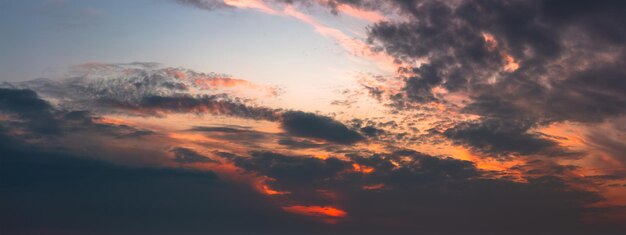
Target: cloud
372, 131
295, 123
145, 89
421, 193
500, 138
218, 105
289, 168
517, 66
134, 81
39, 118
62, 193
296, 144
104, 88
437, 190
27, 105
315, 126
185, 155
450, 39
521, 64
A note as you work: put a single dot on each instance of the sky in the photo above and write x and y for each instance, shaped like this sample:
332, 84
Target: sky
312, 117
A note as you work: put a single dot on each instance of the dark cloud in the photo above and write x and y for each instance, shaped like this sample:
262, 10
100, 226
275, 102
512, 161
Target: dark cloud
244, 136
150, 95
296, 123
146, 89
40, 118
27, 106
498, 137
569, 64
372, 131
298, 144
540, 35
411, 191
298, 169
185, 155
53, 192
204, 104
316, 126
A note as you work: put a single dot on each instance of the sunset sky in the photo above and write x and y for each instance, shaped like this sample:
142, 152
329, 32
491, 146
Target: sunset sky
312, 117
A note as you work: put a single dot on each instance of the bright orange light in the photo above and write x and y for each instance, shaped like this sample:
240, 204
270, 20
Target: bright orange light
492, 44
268, 191
363, 169
112, 121
316, 211
191, 137
321, 156
511, 65
565, 134
484, 163
490, 41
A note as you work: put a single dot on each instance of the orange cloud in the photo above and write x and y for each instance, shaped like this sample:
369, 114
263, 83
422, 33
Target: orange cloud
511, 65
112, 121
489, 164
268, 191
363, 169
262, 187
492, 44
490, 41
210, 83
191, 137
316, 211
